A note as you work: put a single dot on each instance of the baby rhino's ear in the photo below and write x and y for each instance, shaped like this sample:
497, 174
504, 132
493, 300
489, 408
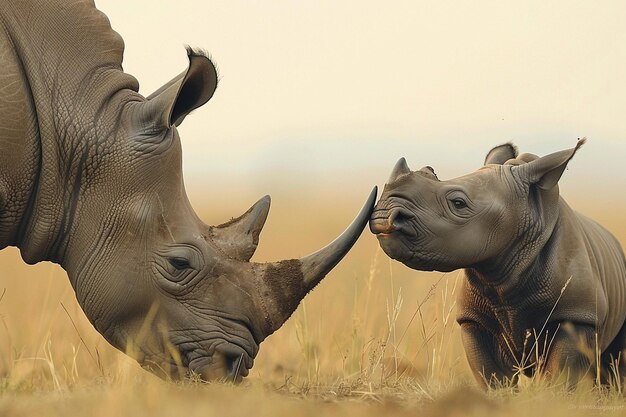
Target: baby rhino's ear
546, 171
501, 153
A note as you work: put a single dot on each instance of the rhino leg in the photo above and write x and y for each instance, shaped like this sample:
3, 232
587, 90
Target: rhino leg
480, 349
571, 355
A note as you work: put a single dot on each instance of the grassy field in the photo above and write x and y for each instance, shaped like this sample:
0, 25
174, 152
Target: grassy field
375, 338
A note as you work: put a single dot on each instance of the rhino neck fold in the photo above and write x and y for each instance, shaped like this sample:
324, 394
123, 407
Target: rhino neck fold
19, 144
71, 157
523, 265
71, 66
47, 223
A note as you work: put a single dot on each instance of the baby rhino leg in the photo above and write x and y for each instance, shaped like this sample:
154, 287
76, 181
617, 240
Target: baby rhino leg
482, 355
572, 354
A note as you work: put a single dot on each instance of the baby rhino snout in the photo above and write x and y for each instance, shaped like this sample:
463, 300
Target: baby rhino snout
397, 219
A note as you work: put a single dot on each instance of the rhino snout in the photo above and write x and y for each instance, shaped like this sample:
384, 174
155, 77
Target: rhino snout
228, 362
396, 219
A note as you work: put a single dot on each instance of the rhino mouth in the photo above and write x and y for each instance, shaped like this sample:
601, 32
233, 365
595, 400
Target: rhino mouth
212, 356
227, 362
395, 228
224, 362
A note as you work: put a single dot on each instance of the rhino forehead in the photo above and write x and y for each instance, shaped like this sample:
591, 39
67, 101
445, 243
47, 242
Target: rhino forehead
486, 180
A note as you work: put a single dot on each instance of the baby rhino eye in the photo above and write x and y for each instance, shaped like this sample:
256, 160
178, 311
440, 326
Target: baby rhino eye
459, 203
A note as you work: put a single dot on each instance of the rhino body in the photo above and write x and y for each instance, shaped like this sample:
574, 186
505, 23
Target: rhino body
91, 179
544, 288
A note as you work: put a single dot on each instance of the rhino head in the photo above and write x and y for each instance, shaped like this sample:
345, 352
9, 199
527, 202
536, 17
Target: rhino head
469, 221
155, 280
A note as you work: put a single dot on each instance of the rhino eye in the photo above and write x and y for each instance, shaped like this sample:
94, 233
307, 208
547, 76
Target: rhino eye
459, 203
179, 263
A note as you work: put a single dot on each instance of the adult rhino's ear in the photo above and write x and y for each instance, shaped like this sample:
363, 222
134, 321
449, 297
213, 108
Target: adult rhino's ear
171, 103
546, 171
501, 153
239, 237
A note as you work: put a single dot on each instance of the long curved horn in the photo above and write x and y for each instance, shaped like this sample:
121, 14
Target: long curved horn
286, 283
315, 266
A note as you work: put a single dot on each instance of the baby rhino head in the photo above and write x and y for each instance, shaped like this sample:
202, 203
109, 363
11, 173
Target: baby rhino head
429, 224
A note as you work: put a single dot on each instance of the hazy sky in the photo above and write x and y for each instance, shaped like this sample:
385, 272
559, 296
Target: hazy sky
321, 88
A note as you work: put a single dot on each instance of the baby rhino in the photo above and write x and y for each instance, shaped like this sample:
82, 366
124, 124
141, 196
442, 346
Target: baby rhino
545, 287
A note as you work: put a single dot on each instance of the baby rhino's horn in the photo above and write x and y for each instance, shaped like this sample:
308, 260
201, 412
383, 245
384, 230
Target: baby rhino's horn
401, 168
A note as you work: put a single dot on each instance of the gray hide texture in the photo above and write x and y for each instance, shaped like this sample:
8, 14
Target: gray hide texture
540, 279
90, 178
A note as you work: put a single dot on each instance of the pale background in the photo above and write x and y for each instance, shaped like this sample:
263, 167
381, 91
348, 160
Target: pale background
333, 93
317, 101
328, 95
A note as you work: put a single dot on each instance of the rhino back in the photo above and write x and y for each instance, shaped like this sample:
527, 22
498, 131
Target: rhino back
62, 39
71, 61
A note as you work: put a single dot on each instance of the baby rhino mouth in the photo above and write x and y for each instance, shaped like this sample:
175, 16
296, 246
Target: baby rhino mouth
394, 226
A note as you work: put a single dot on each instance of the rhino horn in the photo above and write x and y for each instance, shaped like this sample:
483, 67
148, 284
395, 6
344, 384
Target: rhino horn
239, 237
318, 264
287, 282
401, 168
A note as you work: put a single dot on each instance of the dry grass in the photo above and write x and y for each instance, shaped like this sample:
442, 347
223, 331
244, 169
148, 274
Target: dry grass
375, 338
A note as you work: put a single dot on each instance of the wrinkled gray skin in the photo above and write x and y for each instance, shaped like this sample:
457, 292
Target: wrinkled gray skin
90, 178
520, 244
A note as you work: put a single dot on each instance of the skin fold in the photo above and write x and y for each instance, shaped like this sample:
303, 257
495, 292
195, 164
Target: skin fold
544, 285
91, 179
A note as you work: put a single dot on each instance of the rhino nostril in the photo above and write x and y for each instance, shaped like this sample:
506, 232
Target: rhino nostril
236, 368
400, 220
397, 219
399, 216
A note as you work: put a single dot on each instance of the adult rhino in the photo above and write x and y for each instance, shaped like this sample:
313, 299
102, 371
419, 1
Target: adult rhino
90, 178
544, 288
